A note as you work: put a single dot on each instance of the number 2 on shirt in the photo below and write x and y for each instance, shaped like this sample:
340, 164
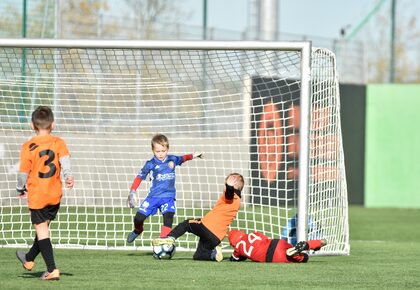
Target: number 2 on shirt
251, 239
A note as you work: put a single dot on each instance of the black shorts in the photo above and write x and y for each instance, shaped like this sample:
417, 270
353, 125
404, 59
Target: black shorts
47, 213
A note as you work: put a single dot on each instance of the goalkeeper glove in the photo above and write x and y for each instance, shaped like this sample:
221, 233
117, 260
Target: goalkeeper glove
198, 155
22, 191
131, 199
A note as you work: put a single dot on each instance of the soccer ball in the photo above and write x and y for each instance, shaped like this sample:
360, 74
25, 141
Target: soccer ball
161, 252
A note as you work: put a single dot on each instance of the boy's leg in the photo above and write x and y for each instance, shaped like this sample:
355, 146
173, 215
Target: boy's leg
33, 251
149, 206
206, 248
167, 208
178, 231
306, 246
168, 219
208, 241
45, 246
202, 252
316, 244
28, 259
139, 219
41, 218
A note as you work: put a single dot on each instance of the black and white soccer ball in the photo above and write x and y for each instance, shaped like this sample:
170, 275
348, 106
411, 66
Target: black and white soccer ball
161, 252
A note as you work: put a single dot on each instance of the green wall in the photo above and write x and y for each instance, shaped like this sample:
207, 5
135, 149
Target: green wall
353, 123
392, 156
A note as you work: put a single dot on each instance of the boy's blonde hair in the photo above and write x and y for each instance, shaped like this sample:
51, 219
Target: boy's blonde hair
42, 118
161, 140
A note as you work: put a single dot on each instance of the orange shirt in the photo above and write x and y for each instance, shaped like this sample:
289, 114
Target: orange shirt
39, 157
221, 216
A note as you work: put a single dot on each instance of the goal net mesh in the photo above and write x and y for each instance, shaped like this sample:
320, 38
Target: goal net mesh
239, 107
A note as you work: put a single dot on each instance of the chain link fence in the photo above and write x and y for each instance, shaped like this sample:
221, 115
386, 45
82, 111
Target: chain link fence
355, 62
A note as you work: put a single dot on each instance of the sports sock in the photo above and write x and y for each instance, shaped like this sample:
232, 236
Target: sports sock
34, 250
47, 253
164, 231
138, 229
180, 229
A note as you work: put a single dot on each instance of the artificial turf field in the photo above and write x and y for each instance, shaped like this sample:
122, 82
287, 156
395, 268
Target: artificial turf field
385, 254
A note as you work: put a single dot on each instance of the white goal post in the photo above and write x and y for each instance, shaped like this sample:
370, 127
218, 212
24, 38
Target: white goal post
267, 110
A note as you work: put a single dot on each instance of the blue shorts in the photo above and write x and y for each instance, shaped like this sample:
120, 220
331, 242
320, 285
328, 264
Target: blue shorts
150, 205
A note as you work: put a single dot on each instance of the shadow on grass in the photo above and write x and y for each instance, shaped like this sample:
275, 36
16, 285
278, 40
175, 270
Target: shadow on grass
37, 275
150, 254
140, 254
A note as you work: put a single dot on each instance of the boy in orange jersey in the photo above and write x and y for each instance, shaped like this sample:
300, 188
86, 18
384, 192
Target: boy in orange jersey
260, 248
42, 159
212, 228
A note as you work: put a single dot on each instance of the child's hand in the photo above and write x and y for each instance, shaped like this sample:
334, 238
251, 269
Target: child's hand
22, 192
70, 182
198, 155
131, 199
233, 180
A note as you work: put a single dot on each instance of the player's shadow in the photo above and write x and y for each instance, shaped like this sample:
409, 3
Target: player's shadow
147, 254
140, 254
37, 275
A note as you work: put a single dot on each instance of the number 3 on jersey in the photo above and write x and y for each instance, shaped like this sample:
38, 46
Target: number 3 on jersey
48, 162
251, 239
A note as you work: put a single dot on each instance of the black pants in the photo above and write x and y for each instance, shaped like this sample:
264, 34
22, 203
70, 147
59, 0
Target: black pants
208, 241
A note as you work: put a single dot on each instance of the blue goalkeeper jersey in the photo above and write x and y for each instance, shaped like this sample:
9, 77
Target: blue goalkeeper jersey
162, 175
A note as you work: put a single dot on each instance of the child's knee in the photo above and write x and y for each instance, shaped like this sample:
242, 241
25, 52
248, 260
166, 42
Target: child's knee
168, 219
139, 218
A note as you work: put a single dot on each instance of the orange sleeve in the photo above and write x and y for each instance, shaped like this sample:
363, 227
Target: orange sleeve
25, 163
62, 149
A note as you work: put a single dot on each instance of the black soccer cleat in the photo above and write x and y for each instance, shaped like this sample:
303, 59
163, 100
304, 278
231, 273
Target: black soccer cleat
298, 248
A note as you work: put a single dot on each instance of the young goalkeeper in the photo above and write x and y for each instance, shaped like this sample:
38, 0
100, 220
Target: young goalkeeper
212, 228
42, 158
260, 248
162, 192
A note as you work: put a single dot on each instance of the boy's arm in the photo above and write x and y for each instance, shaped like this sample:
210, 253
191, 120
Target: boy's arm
22, 177
131, 200
24, 169
192, 156
230, 191
135, 184
299, 258
66, 170
236, 257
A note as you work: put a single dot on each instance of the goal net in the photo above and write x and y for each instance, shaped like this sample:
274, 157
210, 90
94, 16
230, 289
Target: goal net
269, 111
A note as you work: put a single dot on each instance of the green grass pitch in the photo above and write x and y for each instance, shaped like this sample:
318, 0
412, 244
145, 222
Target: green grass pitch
385, 254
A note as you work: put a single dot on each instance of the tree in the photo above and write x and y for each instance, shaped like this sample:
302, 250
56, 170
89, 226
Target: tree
407, 41
40, 20
149, 13
84, 19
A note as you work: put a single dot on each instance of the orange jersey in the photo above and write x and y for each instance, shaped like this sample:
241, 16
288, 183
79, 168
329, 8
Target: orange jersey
39, 157
221, 216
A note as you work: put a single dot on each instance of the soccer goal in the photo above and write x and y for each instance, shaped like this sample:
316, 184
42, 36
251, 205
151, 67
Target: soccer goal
267, 110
